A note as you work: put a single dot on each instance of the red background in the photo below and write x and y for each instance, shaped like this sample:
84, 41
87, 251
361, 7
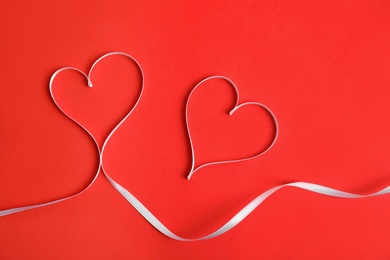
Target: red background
321, 66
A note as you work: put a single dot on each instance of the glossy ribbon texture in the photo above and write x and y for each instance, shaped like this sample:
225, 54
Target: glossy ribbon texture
241, 215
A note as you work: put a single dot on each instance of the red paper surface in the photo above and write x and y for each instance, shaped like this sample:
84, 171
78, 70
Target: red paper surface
321, 66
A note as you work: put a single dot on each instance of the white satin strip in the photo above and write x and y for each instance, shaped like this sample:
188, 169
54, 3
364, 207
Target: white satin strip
241, 215
235, 108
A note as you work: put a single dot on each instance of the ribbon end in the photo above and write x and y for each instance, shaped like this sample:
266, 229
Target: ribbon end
190, 175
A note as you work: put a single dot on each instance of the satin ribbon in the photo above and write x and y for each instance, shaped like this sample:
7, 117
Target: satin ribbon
235, 108
240, 216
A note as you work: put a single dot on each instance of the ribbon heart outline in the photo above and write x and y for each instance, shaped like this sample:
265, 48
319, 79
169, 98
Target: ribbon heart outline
235, 220
100, 151
235, 108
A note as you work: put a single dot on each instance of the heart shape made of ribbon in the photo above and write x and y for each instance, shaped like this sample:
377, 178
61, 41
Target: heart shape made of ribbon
236, 107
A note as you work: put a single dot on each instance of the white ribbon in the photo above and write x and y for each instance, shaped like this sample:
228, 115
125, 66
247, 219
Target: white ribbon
241, 215
235, 108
